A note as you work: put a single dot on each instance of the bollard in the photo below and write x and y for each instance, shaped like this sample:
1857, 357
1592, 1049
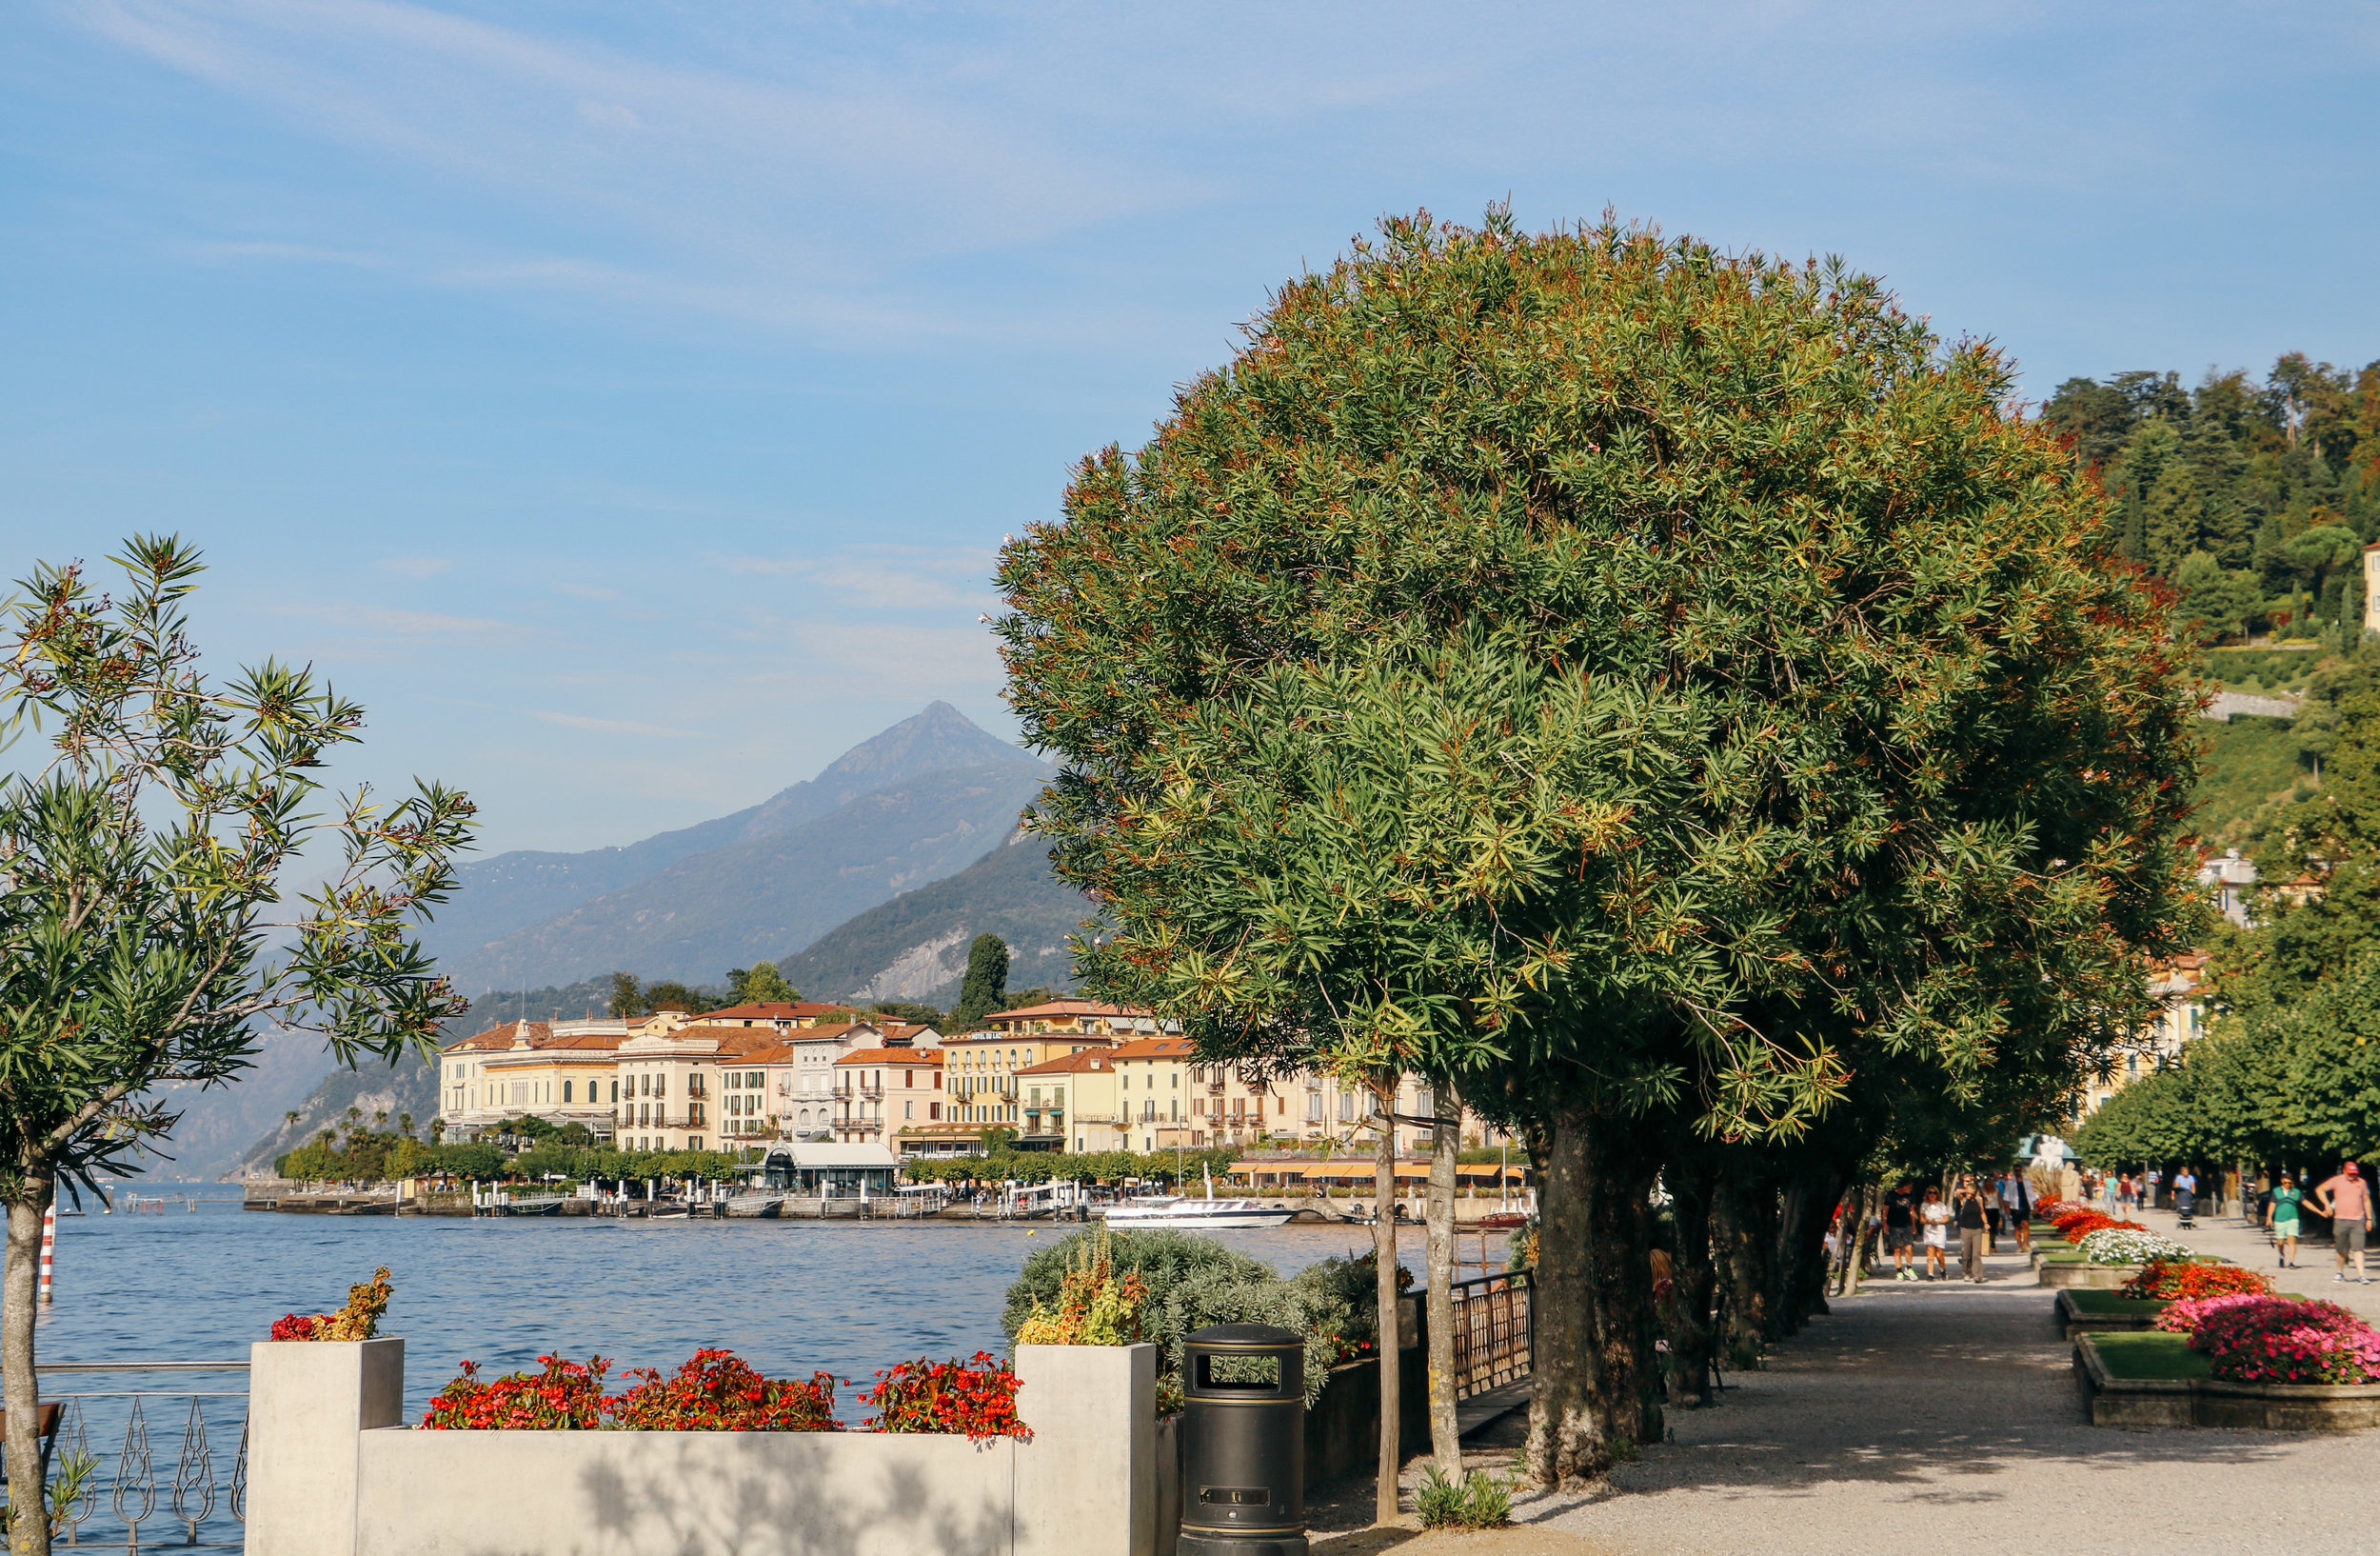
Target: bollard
1243, 1442
49, 1247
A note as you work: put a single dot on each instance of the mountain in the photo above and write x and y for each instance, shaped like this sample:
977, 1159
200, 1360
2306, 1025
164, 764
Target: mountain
218, 1122
732, 905
915, 946
514, 891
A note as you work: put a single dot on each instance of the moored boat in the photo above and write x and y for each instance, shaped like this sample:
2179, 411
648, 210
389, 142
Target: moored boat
1209, 1215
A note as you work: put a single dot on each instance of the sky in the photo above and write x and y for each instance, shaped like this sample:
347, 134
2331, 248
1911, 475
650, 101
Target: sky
626, 401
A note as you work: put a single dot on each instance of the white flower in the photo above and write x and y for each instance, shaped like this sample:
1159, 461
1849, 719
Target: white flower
2118, 1246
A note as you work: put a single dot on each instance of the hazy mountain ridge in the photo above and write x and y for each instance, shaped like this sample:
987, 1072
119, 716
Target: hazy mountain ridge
915, 946
733, 905
519, 891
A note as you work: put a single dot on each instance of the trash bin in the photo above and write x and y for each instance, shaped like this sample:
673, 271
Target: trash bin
1243, 1442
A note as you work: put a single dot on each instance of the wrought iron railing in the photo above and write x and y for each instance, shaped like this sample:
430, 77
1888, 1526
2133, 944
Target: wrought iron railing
165, 1465
1492, 1332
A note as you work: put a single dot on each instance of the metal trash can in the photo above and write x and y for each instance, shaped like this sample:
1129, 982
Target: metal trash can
1243, 1442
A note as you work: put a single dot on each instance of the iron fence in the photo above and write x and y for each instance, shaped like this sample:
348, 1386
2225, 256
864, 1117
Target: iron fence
144, 1464
1492, 1331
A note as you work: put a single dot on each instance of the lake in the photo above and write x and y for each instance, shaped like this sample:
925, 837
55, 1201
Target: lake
790, 1297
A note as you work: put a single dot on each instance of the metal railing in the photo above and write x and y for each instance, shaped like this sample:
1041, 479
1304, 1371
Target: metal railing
1492, 1332
166, 1465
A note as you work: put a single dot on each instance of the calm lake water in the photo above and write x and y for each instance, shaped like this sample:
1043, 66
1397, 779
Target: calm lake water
790, 1297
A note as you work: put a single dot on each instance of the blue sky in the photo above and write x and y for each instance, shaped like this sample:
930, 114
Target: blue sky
624, 400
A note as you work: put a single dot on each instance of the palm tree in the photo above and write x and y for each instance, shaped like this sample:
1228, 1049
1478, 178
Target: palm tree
381, 1117
291, 1116
354, 1113
404, 1122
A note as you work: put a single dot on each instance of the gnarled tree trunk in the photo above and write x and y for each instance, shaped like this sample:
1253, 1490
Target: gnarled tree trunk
1686, 1313
1743, 1245
1592, 1398
20, 1279
1800, 1274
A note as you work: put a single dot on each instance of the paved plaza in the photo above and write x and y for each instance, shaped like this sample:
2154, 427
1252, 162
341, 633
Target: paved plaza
1946, 1417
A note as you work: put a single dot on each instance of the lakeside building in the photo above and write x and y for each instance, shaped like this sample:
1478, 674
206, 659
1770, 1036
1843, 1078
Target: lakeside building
1072, 1103
878, 1091
564, 1072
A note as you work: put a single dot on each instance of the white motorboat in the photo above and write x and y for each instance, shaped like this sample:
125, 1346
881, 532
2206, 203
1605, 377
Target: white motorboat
1209, 1215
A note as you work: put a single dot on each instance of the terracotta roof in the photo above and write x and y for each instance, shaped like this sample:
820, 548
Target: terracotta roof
994, 1040
499, 1038
1069, 1008
775, 1010
1073, 1064
1154, 1048
893, 1058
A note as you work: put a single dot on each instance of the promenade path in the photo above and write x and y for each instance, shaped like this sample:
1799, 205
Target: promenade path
1938, 1417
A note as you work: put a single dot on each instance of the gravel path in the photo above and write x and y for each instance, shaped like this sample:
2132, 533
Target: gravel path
2244, 1242
1939, 1416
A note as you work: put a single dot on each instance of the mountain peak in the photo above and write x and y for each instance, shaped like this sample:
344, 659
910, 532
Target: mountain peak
938, 737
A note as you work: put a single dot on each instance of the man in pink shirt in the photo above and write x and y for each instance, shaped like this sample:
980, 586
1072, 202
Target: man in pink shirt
2346, 1199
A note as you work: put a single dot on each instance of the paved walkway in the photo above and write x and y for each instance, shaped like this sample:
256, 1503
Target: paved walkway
1940, 1416
2246, 1244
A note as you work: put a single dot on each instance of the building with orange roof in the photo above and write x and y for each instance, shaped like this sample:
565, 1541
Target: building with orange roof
878, 1092
2178, 982
784, 1016
562, 1073
1083, 1017
982, 1067
1070, 1102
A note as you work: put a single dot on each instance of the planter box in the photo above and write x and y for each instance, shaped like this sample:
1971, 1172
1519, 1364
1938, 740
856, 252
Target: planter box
2159, 1404
2059, 1272
333, 1474
2077, 1321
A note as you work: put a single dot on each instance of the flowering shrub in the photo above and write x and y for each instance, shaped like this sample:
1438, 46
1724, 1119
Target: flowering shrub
2051, 1209
1095, 1305
2179, 1280
2128, 1245
976, 1396
567, 1396
2275, 1341
2185, 1317
357, 1320
715, 1391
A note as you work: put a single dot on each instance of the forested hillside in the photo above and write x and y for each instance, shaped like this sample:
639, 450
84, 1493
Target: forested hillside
2255, 499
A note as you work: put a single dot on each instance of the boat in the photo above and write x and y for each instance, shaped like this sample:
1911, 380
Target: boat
743, 1206
1212, 1215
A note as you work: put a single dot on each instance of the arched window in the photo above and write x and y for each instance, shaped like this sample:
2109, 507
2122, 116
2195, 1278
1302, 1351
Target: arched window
566, 1092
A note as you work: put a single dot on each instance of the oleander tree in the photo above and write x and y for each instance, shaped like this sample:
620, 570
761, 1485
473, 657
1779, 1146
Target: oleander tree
148, 931
1642, 686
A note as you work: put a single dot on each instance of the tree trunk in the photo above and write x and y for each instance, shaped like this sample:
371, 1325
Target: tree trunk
1743, 1245
1384, 1257
1590, 1399
1445, 1431
20, 1279
1686, 1314
1851, 1263
1800, 1274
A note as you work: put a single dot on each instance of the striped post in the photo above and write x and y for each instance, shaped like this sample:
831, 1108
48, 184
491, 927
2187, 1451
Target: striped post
49, 1247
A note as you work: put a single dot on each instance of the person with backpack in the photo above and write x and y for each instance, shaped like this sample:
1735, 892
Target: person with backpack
1900, 1229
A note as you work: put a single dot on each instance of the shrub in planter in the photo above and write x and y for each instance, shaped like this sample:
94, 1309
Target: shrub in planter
357, 1320
2275, 1341
2186, 1316
1095, 1305
977, 1397
2082, 1224
2185, 1280
2128, 1245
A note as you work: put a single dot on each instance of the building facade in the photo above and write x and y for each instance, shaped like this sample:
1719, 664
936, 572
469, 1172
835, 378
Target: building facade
879, 1091
561, 1073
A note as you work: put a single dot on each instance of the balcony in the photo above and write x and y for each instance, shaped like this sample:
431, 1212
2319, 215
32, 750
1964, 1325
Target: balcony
858, 1126
872, 1093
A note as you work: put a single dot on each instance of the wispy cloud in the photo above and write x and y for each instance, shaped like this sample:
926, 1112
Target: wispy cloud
880, 577
612, 726
416, 566
413, 624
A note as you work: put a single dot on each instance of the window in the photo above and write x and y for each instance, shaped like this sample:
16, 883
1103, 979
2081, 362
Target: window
615, 1090
1346, 1107
566, 1092
908, 1109
1177, 1080
933, 1109
1314, 1108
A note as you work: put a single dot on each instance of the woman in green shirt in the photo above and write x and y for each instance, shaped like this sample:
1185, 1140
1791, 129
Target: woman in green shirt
2282, 1218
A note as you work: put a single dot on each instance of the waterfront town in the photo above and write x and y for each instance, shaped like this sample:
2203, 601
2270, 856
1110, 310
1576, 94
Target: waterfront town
1065, 1075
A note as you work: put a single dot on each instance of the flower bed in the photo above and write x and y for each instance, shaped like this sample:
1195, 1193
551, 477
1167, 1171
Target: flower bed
2273, 1341
715, 1390
2128, 1245
977, 1397
2187, 1280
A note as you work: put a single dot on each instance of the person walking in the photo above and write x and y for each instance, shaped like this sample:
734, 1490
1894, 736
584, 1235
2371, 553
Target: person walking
1990, 1189
1975, 1219
1936, 1219
2347, 1200
2281, 1216
1900, 1230
2015, 1206
2185, 1194
2149, 1181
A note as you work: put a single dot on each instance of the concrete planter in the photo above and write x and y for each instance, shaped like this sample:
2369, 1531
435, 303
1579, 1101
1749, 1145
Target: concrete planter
2077, 1323
332, 1473
2096, 1277
2159, 1404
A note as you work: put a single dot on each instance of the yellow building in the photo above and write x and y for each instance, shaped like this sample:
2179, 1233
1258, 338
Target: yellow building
670, 1085
1087, 1018
562, 1073
982, 1068
2181, 1020
1072, 1103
